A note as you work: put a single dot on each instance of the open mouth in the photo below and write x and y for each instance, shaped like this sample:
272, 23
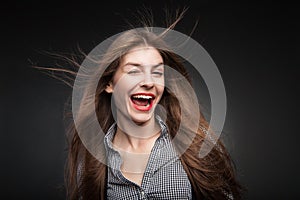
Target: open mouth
142, 101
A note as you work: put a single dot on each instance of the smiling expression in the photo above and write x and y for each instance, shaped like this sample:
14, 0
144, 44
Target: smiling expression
138, 84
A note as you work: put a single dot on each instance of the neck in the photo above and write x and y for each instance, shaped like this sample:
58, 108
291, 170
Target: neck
136, 138
142, 130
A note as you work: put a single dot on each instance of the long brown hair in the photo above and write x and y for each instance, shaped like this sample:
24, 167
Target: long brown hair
211, 177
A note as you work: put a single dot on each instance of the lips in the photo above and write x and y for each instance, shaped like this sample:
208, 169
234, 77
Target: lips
142, 101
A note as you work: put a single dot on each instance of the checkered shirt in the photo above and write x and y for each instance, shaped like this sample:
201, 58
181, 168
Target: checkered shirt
164, 176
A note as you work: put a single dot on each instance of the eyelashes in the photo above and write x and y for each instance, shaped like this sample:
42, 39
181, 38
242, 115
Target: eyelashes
158, 73
136, 72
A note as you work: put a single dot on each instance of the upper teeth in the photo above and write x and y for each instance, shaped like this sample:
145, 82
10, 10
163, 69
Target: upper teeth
142, 96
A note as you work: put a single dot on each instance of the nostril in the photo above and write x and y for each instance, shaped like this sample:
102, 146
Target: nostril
147, 85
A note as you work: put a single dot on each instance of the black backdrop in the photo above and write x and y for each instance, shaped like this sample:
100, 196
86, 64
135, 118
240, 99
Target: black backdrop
254, 45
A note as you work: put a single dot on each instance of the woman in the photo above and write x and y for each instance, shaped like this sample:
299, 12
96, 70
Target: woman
141, 118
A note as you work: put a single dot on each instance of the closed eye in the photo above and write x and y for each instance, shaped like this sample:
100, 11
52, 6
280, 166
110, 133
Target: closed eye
134, 72
158, 73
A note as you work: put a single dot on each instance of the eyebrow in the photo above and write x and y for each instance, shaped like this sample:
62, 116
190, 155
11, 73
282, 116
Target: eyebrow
139, 65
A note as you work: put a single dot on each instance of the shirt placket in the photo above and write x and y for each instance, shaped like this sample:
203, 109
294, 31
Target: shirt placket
150, 168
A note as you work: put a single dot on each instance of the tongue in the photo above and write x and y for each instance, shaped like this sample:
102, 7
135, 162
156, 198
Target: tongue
140, 102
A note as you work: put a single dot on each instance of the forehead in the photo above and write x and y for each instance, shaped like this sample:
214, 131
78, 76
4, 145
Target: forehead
143, 56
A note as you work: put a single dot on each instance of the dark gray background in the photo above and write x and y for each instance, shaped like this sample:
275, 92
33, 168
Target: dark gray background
255, 46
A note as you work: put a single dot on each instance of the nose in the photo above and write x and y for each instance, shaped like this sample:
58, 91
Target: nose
147, 82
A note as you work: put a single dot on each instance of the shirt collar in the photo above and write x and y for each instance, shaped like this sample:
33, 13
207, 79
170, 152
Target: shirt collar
112, 131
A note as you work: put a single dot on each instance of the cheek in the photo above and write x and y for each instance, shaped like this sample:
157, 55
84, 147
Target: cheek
159, 82
124, 84
159, 85
160, 89
162, 85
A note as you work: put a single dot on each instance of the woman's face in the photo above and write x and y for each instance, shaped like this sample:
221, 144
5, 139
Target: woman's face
138, 84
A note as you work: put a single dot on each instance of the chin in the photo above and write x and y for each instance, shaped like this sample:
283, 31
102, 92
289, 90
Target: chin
141, 118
